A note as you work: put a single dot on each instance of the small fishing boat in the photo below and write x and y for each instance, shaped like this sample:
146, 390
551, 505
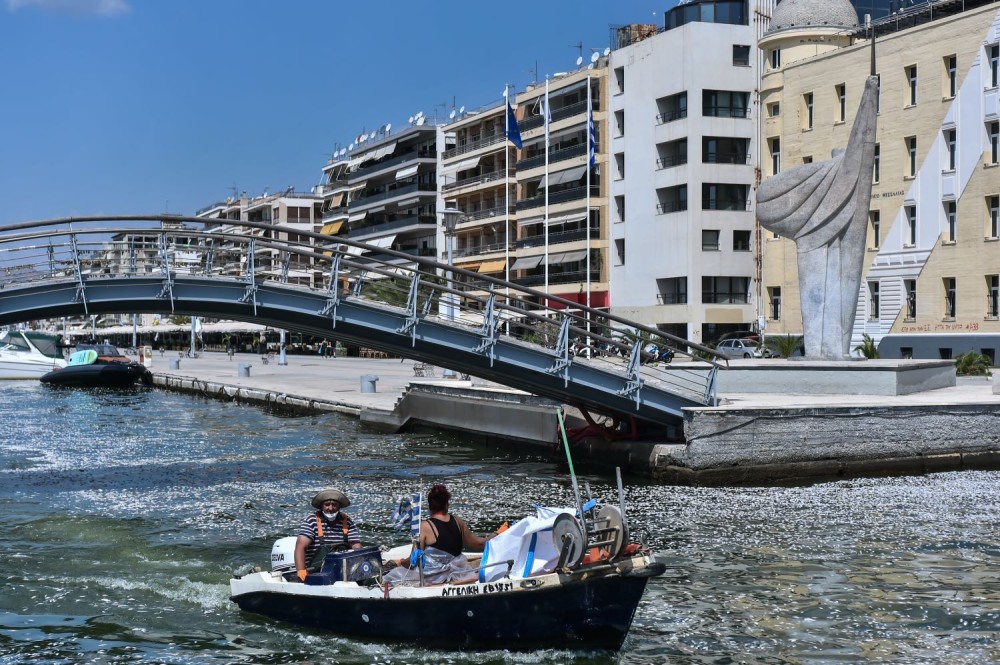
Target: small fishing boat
27, 354
563, 578
99, 366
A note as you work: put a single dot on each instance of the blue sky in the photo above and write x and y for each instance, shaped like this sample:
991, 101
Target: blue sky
150, 106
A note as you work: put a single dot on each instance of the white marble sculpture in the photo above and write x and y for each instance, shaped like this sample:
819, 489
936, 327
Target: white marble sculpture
824, 207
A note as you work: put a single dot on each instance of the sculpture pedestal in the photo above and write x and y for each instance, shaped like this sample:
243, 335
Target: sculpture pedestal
831, 377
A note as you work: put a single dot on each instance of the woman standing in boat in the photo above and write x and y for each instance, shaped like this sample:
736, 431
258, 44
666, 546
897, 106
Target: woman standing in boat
325, 530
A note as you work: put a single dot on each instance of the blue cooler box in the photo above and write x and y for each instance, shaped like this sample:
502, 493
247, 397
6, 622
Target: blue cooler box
349, 566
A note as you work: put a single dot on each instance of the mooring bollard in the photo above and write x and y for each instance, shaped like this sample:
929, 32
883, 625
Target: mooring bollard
175, 363
368, 383
244, 371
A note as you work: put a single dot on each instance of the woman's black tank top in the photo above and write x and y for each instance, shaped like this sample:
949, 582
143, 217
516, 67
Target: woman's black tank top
449, 536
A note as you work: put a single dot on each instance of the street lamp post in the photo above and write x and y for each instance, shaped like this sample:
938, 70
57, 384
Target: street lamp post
451, 216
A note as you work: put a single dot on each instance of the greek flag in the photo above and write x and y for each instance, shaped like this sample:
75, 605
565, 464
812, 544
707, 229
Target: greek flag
407, 514
592, 139
513, 132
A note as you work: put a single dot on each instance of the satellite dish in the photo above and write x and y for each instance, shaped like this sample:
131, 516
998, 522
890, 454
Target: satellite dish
594, 56
420, 120
462, 110
388, 127
410, 120
590, 66
451, 116
371, 136
420, 114
350, 147
607, 51
579, 61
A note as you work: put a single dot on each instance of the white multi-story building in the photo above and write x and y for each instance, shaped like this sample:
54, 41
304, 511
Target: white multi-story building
682, 172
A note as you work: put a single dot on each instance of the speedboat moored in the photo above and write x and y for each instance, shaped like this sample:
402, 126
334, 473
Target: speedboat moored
99, 366
28, 354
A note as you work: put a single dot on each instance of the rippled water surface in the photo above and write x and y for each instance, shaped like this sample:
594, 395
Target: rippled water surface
122, 516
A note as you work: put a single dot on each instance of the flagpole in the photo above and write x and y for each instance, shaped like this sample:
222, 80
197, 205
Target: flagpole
545, 119
590, 147
506, 196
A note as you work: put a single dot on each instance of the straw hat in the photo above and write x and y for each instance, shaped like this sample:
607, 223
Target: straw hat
328, 495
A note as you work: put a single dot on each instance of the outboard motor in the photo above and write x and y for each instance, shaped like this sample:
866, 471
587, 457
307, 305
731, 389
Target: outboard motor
283, 555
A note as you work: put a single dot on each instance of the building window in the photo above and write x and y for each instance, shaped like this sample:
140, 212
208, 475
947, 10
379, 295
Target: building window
994, 65
993, 210
672, 153
776, 58
911, 226
672, 291
878, 93
807, 116
620, 78
951, 147
774, 295
775, 144
873, 301
620, 164
671, 108
911, 150
725, 290
911, 78
741, 55
620, 206
724, 196
876, 220
949, 297
672, 199
773, 110
950, 219
709, 240
620, 122
807, 159
724, 150
741, 241
877, 169
993, 296
910, 286
950, 75
620, 251
724, 103
994, 142
842, 102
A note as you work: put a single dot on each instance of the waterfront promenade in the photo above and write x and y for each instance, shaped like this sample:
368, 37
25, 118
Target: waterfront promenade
748, 438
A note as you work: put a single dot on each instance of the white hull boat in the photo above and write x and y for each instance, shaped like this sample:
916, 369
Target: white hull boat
26, 354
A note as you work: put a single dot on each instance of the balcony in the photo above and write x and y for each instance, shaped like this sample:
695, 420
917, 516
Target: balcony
366, 171
479, 141
554, 156
671, 206
414, 221
476, 250
725, 158
359, 203
670, 161
482, 179
558, 238
486, 213
534, 121
670, 116
559, 197
578, 276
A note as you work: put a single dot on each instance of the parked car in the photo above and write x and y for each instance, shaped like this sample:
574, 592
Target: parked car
742, 348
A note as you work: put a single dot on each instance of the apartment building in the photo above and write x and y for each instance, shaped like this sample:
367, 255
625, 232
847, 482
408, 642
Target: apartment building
682, 144
297, 210
393, 195
562, 211
477, 176
334, 192
933, 263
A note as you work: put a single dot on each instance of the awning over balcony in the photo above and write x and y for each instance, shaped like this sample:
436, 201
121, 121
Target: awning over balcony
562, 219
560, 177
333, 228
468, 163
473, 265
567, 257
526, 263
357, 216
493, 266
384, 241
407, 172
336, 200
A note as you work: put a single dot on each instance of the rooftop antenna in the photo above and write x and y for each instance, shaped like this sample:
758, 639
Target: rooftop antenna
534, 73
578, 47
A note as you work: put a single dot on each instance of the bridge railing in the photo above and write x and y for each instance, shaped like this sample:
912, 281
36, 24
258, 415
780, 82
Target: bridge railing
80, 249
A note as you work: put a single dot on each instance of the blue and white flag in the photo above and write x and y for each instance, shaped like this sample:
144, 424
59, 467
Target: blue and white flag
407, 514
513, 132
592, 139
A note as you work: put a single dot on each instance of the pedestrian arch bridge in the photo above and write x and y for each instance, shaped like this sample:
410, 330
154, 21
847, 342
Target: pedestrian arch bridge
339, 289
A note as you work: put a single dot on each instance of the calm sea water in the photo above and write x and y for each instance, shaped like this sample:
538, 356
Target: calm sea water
122, 516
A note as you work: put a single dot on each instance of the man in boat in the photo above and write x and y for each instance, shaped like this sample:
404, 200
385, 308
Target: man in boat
326, 530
